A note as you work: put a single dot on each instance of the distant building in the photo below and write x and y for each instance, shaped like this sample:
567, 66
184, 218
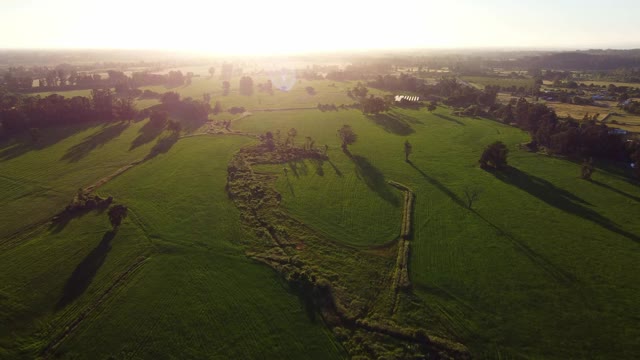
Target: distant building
399, 98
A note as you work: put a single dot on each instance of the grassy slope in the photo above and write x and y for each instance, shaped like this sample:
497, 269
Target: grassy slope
52, 275
199, 296
534, 270
36, 183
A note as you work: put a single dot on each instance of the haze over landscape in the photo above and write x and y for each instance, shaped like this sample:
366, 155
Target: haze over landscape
319, 180
288, 26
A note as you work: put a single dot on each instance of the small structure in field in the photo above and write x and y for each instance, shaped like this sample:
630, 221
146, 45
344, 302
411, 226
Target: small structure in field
400, 98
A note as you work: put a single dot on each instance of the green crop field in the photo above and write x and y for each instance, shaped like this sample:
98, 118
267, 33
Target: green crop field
542, 265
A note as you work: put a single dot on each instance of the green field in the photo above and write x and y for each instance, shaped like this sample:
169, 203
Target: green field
544, 265
483, 81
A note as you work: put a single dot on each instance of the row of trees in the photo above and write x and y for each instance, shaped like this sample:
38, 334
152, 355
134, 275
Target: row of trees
66, 78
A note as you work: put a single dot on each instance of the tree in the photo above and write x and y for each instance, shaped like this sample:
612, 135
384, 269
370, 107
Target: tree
124, 108
217, 108
117, 213
170, 98
347, 136
408, 149
471, 194
35, 134
212, 71
174, 126
226, 86
432, 106
494, 156
587, 169
158, 119
246, 86
291, 134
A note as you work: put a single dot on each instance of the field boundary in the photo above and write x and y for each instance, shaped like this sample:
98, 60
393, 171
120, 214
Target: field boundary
49, 350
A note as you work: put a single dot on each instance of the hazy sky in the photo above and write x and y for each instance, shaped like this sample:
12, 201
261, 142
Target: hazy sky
281, 26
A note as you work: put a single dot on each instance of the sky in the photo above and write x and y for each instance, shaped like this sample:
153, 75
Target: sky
296, 26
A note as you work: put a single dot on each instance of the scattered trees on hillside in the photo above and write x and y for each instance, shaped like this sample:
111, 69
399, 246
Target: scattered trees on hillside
347, 137
494, 156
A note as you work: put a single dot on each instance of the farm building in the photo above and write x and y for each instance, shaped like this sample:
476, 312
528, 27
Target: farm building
400, 98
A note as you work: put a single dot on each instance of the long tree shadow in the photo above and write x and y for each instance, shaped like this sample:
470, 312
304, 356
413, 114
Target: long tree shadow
609, 187
79, 151
450, 119
392, 123
440, 186
163, 145
318, 164
559, 198
84, 273
22, 144
335, 168
403, 117
539, 260
148, 133
374, 179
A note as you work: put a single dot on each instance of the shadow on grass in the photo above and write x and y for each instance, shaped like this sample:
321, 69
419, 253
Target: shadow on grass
318, 165
609, 187
148, 133
62, 219
163, 145
439, 185
374, 179
450, 119
84, 273
335, 168
392, 123
22, 144
558, 198
108, 133
407, 118
553, 270
290, 186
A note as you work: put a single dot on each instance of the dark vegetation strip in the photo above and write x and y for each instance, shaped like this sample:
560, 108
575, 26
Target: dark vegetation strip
296, 251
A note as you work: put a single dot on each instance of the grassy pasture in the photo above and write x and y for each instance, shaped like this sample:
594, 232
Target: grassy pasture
541, 255
37, 181
327, 92
198, 296
544, 265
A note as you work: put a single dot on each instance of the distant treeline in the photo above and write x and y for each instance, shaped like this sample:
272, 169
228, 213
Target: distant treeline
20, 113
578, 60
67, 78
